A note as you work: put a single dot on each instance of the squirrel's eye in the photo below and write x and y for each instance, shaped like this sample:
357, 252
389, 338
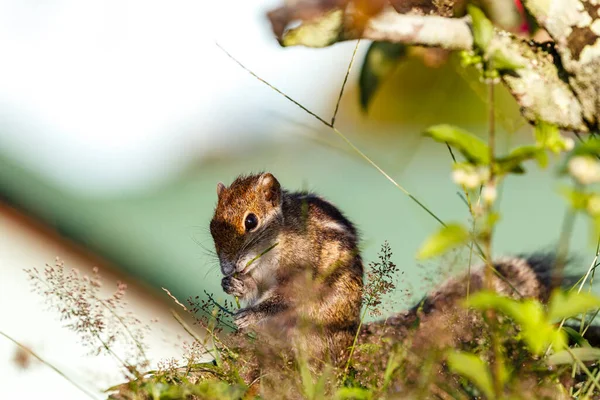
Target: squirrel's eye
250, 222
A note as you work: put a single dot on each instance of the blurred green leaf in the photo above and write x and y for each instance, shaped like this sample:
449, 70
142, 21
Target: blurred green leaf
576, 336
474, 369
577, 199
353, 393
582, 353
380, 61
536, 329
483, 29
474, 149
591, 147
512, 161
548, 136
447, 238
320, 32
502, 62
570, 304
392, 365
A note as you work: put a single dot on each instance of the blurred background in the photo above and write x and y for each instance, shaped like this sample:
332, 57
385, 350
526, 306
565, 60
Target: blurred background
118, 118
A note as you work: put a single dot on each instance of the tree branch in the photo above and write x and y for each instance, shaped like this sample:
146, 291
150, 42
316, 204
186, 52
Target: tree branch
555, 82
575, 27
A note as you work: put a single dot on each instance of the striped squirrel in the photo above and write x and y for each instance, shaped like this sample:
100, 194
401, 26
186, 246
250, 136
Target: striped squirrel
269, 240
293, 258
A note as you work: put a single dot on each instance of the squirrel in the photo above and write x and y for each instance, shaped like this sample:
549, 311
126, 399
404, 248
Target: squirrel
293, 259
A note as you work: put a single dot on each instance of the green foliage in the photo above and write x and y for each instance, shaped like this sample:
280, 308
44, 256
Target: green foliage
548, 136
380, 61
590, 147
353, 393
536, 323
577, 198
570, 356
475, 150
447, 238
569, 304
483, 29
320, 32
576, 337
512, 162
474, 369
536, 328
483, 34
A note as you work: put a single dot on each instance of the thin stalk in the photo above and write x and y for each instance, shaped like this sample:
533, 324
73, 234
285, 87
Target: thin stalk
189, 330
337, 132
339, 99
52, 367
362, 318
491, 315
261, 254
120, 319
563, 248
470, 206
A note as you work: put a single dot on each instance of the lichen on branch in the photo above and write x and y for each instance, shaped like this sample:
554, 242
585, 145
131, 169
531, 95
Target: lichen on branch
556, 82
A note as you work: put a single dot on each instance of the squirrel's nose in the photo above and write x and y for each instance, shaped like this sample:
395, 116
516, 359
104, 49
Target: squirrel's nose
227, 267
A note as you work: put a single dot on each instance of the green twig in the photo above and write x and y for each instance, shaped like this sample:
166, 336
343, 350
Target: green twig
261, 254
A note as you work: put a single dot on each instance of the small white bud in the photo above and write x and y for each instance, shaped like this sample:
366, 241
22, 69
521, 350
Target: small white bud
466, 177
489, 194
584, 169
569, 144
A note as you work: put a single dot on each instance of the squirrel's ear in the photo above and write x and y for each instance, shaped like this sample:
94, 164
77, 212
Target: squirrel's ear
220, 188
270, 187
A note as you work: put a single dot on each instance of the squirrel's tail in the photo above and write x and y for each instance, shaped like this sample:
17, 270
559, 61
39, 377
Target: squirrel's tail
525, 276
518, 277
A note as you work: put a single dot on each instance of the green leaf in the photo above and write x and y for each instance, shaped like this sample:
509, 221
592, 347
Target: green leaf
320, 32
474, 369
392, 365
474, 149
502, 62
581, 353
577, 199
536, 329
548, 136
576, 336
483, 29
380, 61
591, 147
570, 304
512, 161
354, 393
447, 238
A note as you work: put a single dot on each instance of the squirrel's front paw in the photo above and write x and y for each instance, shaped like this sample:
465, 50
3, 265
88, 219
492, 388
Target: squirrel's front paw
245, 318
233, 286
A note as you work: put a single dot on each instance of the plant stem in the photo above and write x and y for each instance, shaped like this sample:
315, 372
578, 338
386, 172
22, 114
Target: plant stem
339, 99
46, 363
337, 132
489, 272
563, 248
